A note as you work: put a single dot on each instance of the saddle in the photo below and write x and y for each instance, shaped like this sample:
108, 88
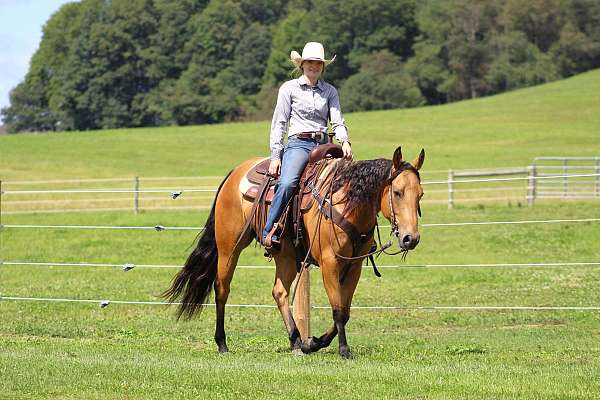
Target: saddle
260, 188
256, 176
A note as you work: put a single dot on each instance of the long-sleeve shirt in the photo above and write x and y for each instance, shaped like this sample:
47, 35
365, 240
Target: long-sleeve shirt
304, 108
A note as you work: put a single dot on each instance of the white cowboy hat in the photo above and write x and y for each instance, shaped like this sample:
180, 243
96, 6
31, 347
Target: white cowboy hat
311, 51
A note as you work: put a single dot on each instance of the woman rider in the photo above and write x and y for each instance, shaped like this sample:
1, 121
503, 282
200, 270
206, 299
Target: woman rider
304, 106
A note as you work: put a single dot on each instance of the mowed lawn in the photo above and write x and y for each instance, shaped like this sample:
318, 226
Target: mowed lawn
62, 350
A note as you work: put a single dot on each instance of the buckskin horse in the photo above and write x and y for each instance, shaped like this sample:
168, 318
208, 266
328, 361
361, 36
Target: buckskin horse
358, 190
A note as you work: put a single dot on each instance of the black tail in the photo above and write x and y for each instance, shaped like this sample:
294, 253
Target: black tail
195, 281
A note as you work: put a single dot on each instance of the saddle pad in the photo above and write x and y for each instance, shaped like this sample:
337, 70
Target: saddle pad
249, 189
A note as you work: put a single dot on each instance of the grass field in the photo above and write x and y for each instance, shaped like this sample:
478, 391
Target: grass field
79, 350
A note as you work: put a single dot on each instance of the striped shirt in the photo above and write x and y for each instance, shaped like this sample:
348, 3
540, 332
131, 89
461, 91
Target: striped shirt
304, 108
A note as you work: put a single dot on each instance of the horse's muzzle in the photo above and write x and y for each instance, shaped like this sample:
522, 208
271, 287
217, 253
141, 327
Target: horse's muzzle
408, 241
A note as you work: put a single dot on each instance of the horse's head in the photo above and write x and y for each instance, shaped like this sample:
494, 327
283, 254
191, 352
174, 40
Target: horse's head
401, 197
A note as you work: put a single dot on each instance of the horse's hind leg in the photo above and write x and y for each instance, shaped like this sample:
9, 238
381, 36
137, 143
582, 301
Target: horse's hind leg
228, 259
226, 236
285, 273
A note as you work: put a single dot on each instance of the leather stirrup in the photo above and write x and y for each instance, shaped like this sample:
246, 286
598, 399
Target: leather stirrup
273, 246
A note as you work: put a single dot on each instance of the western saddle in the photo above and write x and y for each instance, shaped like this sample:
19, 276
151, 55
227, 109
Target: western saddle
262, 188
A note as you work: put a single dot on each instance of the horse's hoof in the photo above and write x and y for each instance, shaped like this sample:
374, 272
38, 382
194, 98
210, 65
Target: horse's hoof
298, 352
312, 345
223, 349
308, 347
346, 353
305, 347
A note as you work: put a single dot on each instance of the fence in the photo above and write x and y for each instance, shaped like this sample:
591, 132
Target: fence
540, 184
563, 188
77, 195
302, 307
547, 178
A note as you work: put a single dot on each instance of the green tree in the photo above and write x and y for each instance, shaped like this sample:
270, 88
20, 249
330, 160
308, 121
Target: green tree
518, 63
32, 106
578, 46
540, 20
453, 48
382, 83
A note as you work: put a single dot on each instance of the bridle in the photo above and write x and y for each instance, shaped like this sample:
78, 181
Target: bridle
405, 166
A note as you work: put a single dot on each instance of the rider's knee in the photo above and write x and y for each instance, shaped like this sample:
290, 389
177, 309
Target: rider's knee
288, 183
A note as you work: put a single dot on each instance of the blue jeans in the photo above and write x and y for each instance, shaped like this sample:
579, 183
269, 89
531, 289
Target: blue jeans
295, 158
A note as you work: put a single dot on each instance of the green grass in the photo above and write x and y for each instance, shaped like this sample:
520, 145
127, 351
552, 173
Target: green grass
73, 351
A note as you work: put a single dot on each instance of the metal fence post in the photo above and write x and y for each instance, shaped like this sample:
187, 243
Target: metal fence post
450, 189
531, 187
136, 194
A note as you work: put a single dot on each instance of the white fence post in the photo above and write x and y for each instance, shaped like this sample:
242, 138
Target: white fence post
136, 194
565, 179
597, 171
450, 189
531, 188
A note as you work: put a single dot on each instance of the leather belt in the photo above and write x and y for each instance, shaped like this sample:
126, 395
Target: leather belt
310, 135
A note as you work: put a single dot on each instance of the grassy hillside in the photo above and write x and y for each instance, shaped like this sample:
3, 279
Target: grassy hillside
72, 350
560, 118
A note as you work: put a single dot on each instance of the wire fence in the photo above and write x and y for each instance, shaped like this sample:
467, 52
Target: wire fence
177, 193
565, 186
160, 228
106, 303
130, 266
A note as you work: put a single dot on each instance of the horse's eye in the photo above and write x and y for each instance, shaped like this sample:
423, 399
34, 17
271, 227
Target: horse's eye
398, 194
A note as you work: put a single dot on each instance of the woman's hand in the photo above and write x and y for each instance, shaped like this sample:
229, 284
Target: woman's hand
275, 168
347, 149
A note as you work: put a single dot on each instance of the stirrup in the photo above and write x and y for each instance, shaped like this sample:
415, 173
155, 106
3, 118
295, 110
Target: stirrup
272, 242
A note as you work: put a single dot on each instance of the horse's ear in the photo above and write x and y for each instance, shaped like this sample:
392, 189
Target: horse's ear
397, 160
418, 162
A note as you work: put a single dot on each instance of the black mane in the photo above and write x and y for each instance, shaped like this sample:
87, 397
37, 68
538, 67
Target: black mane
364, 181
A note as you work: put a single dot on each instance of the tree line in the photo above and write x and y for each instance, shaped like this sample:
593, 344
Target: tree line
130, 63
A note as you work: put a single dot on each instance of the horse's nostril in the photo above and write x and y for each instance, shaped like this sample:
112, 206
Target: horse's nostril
406, 239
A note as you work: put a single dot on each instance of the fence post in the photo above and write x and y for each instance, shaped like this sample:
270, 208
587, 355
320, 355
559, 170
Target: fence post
597, 169
136, 194
450, 189
302, 304
565, 182
531, 186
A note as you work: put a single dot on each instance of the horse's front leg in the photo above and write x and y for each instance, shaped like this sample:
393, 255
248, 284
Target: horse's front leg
285, 263
340, 297
318, 343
